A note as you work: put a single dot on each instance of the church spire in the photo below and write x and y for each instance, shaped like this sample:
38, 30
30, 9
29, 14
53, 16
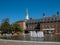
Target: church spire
27, 14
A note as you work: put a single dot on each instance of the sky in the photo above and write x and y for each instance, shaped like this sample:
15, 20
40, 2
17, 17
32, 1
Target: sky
15, 10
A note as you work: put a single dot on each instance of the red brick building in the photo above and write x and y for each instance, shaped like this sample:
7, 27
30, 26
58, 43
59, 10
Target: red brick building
47, 24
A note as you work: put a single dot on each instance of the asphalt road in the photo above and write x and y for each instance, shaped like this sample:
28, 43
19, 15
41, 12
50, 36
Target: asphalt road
14, 42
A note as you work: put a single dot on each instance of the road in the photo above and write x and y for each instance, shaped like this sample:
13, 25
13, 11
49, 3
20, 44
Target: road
15, 42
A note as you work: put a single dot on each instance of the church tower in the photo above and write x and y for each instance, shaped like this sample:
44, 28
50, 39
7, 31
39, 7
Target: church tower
27, 14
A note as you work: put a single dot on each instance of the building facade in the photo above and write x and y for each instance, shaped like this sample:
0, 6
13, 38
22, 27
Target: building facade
50, 24
47, 24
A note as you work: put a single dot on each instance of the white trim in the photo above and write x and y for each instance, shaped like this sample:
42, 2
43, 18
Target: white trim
48, 29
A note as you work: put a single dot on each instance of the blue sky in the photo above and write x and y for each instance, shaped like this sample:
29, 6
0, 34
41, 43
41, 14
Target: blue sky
16, 9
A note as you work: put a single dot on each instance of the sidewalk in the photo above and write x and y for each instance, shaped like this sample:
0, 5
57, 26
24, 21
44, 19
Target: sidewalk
16, 42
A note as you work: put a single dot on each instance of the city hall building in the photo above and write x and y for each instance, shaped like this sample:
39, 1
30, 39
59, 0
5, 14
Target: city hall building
47, 24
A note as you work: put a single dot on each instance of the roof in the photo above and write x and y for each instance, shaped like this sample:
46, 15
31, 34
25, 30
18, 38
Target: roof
20, 21
45, 19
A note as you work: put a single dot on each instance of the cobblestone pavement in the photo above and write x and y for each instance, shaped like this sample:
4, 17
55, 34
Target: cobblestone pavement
10, 42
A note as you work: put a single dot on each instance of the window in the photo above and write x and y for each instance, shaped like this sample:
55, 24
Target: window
51, 18
52, 26
48, 19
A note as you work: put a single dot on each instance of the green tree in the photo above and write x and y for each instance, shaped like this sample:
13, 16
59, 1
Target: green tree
38, 26
0, 28
5, 25
16, 27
